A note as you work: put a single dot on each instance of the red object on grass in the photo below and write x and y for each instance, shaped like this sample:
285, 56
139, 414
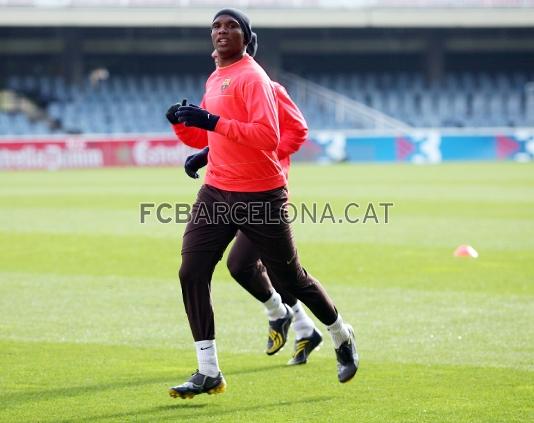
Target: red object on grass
465, 251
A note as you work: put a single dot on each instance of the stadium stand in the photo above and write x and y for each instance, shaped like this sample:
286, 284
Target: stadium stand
416, 63
136, 104
459, 100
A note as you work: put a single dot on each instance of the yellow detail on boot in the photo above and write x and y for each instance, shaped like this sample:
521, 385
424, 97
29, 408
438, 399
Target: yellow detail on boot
219, 389
276, 339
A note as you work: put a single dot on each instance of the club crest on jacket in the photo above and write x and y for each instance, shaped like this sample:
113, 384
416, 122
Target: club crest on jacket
225, 84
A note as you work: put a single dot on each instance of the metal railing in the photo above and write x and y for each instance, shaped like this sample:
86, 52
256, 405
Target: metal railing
529, 109
343, 110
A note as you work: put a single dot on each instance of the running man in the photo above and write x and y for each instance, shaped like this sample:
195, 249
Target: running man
244, 261
238, 117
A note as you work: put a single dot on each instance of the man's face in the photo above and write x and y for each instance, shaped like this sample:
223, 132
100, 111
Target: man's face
215, 57
227, 37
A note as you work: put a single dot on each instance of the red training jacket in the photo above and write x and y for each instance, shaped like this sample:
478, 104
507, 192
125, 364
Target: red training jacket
293, 127
244, 151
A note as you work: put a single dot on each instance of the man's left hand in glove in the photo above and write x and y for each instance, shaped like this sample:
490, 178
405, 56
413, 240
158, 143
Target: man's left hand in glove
196, 161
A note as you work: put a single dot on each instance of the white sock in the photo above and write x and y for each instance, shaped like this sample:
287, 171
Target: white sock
274, 307
207, 357
338, 331
302, 324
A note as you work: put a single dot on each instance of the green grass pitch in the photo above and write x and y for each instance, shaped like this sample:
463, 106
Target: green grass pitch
92, 326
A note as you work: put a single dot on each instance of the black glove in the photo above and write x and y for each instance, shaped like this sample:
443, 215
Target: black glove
195, 116
195, 162
171, 117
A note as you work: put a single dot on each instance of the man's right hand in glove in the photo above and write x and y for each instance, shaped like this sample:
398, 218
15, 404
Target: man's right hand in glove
198, 117
195, 162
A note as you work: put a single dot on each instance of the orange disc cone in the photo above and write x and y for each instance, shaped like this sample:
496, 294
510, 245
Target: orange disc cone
465, 251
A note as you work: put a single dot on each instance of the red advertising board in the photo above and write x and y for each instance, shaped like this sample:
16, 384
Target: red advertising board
90, 152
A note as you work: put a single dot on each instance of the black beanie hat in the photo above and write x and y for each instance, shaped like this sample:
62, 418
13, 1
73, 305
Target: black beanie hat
252, 47
241, 18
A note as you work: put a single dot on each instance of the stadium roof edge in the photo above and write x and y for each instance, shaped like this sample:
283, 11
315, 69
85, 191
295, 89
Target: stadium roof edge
271, 18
